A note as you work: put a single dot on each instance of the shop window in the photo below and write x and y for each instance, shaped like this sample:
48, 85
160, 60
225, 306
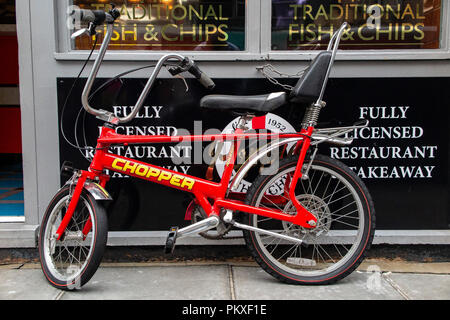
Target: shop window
167, 25
374, 24
11, 169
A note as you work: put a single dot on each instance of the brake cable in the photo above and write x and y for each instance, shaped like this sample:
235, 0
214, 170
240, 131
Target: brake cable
67, 100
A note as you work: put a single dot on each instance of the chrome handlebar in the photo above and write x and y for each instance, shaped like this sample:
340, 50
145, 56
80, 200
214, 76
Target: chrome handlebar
106, 115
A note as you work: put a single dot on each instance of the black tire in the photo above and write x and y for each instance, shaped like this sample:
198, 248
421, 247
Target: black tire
60, 269
296, 270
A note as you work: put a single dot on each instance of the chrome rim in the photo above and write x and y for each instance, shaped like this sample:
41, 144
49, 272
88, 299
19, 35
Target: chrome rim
67, 259
335, 240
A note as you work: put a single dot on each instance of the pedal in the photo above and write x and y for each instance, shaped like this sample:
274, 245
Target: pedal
171, 240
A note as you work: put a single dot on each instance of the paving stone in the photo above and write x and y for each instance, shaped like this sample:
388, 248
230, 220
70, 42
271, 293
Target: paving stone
25, 285
212, 282
405, 266
255, 283
423, 286
155, 283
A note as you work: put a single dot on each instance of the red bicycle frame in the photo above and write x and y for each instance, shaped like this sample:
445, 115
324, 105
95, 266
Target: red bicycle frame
202, 189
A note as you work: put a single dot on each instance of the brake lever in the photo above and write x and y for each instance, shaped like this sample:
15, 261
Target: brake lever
79, 33
184, 81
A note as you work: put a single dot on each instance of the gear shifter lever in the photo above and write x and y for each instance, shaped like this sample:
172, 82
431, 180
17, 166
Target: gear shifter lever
89, 30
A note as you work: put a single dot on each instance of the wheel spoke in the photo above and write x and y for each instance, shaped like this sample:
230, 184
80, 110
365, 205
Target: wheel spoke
294, 247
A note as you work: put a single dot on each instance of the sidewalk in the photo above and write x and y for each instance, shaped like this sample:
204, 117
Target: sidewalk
374, 280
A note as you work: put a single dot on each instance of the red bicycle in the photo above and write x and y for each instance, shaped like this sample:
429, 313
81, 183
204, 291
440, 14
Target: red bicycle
307, 220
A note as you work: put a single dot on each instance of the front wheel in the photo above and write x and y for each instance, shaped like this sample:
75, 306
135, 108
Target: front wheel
69, 263
345, 222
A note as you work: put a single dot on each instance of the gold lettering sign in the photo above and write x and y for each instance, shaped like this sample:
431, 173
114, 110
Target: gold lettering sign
374, 24
173, 25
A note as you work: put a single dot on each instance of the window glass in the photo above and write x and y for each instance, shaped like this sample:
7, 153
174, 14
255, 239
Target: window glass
198, 25
375, 24
7, 12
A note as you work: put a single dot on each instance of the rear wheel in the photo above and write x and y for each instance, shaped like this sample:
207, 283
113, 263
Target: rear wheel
70, 263
345, 223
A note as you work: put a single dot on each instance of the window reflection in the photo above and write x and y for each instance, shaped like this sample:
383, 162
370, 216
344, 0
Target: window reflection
211, 25
375, 24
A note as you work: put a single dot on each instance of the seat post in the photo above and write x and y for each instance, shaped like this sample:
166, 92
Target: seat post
243, 119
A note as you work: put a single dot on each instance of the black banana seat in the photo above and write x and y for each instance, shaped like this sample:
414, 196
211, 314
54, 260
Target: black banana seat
258, 104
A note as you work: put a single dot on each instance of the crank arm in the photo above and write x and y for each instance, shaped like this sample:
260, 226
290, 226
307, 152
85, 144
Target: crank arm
201, 226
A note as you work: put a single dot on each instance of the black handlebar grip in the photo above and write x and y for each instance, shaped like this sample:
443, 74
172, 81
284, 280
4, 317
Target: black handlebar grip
202, 77
95, 16
207, 81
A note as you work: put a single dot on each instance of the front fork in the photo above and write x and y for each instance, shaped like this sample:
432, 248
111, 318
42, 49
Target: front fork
79, 180
72, 205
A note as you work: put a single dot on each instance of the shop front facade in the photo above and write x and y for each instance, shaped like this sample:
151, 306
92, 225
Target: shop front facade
393, 70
